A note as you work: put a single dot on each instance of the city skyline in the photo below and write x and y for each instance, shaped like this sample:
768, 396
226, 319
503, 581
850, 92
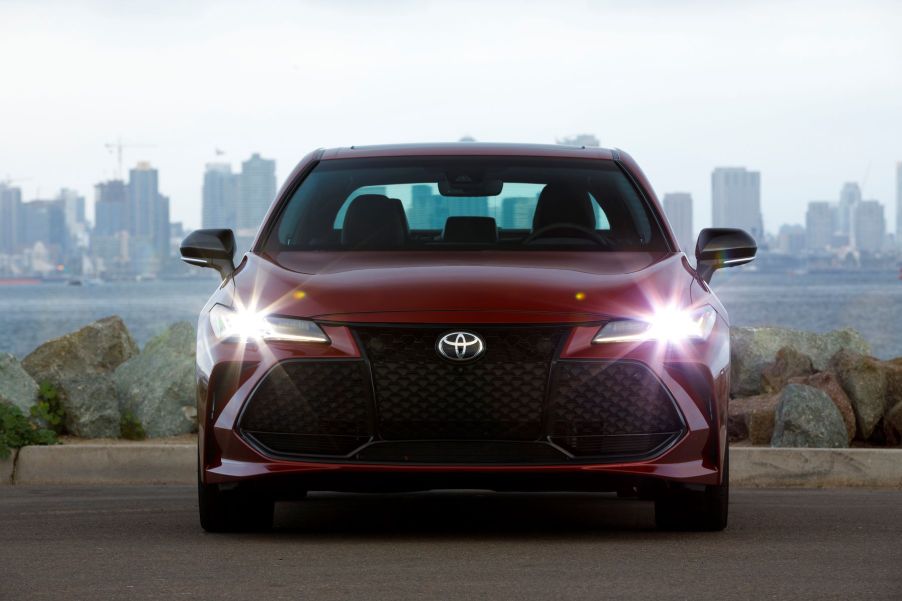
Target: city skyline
132, 234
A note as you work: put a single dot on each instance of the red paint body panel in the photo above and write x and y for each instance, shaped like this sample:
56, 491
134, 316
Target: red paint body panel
467, 287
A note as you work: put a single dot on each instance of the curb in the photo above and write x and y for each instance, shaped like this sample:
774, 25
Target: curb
759, 467
149, 463
139, 463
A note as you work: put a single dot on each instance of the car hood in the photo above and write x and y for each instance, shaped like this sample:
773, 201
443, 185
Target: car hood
467, 286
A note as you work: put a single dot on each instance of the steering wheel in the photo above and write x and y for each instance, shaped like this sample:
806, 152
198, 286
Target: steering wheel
584, 233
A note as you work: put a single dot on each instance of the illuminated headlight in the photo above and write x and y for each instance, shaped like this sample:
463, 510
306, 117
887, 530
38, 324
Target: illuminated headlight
229, 324
666, 325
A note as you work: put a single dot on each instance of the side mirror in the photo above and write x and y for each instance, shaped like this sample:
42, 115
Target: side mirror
210, 248
722, 247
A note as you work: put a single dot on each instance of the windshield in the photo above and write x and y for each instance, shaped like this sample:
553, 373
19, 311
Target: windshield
434, 203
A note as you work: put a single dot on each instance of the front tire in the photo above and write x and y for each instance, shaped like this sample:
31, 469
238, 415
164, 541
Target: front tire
233, 510
705, 510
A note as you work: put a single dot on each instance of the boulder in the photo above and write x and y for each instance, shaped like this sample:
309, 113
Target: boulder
92, 410
16, 386
864, 380
752, 418
79, 365
789, 363
893, 371
827, 382
752, 349
157, 387
807, 417
893, 419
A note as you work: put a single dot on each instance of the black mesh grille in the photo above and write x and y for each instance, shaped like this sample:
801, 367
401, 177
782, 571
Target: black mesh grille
499, 396
593, 402
316, 407
496, 409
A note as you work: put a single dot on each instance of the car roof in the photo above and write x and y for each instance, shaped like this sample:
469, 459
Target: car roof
469, 149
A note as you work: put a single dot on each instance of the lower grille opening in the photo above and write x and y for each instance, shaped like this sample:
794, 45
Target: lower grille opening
284, 443
460, 451
622, 445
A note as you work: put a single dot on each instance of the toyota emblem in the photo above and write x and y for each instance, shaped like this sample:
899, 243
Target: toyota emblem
460, 346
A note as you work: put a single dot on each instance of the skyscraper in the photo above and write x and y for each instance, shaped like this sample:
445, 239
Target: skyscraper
257, 189
44, 221
849, 197
736, 200
819, 226
148, 214
678, 208
517, 212
143, 194
220, 197
10, 216
110, 208
868, 226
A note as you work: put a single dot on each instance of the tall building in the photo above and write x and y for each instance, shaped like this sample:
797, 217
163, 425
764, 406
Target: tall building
257, 189
220, 197
73, 207
420, 215
517, 212
678, 208
10, 218
736, 200
110, 208
44, 221
819, 226
143, 195
849, 197
869, 226
148, 219
899, 204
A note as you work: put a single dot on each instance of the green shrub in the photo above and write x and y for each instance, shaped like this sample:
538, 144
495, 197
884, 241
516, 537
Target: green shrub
48, 411
17, 431
130, 428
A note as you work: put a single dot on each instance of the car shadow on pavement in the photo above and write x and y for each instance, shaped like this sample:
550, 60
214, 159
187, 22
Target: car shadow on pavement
475, 514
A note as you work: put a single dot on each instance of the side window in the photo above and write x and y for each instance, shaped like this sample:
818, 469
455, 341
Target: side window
601, 219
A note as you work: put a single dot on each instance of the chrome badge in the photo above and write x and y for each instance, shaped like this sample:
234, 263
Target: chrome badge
460, 346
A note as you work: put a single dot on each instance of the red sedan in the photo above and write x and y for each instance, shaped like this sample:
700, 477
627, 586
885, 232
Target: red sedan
502, 317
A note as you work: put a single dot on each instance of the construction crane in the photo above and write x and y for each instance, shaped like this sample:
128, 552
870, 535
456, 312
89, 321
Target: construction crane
117, 147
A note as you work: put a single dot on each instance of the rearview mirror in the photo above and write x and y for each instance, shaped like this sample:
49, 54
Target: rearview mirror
719, 247
210, 248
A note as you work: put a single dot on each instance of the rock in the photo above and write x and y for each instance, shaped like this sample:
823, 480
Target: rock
752, 418
79, 366
789, 363
893, 419
92, 410
752, 349
893, 371
827, 382
807, 417
864, 380
16, 386
157, 387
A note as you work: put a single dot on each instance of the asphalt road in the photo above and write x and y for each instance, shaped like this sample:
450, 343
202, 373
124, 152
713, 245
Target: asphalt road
145, 543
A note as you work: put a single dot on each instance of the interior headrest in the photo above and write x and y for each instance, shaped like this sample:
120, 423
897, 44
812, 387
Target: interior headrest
374, 220
563, 203
470, 230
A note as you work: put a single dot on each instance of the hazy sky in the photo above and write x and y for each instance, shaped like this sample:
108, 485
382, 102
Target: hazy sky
809, 93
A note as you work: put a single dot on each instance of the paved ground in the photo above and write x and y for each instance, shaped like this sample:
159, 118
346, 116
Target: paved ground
145, 543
